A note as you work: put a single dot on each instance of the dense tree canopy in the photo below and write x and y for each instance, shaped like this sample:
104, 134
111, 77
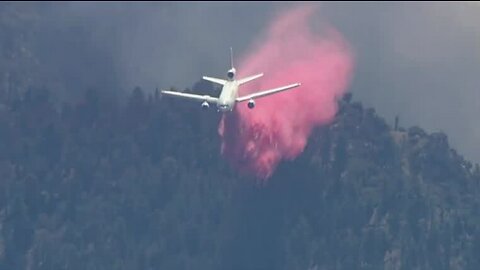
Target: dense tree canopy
141, 185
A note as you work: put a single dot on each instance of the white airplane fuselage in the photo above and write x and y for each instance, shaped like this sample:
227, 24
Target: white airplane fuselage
226, 100
229, 95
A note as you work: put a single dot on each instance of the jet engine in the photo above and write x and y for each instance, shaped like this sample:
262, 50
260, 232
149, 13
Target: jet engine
231, 73
205, 105
251, 104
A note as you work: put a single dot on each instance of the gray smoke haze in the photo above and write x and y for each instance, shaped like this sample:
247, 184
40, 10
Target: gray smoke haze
420, 61
123, 45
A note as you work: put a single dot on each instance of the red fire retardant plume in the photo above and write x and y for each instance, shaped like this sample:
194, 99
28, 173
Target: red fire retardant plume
256, 140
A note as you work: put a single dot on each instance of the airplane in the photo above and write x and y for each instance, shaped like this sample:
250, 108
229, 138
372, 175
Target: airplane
229, 94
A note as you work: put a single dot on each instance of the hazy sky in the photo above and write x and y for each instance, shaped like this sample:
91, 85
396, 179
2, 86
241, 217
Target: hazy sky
418, 60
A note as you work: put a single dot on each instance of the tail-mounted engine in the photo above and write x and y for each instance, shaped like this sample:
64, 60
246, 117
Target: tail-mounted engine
231, 74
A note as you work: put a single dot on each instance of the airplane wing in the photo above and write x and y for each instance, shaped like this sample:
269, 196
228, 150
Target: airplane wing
215, 80
267, 92
206, 98
250, 78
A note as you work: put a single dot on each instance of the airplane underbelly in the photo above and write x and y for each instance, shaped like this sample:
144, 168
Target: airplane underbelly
226, 101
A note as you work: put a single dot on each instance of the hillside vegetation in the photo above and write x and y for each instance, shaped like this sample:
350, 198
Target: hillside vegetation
142, 185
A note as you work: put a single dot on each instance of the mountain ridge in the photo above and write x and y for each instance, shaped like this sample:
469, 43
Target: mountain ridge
96, 185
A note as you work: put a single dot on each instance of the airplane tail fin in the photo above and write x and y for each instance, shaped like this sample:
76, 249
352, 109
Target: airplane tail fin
250, 78
231, 57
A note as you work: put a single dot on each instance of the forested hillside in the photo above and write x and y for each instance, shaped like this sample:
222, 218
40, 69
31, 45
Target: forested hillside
142, 185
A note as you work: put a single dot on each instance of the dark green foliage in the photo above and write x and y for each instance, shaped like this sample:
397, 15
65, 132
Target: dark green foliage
97, 185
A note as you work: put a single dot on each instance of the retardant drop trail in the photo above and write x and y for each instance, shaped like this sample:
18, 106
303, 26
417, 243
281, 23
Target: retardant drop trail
256, 140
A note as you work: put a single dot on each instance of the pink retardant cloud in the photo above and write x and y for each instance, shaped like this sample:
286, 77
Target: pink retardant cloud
256, 140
